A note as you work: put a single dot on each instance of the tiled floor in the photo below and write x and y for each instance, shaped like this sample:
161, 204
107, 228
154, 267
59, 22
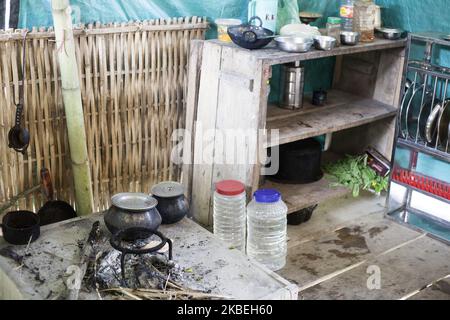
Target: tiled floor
349, 250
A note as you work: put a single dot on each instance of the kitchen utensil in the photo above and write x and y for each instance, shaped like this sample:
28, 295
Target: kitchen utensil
267, 10
424, 116
391, 33
20, 227
309, 17
53, 210
431, 124
319, 97
172, 204
350, 38
446, 37
222, 28
444, 125
250, 36
324, 43
19, 137
413, 110
132, 210
294, 43
409, 86
302, 216
292, 84
299, 163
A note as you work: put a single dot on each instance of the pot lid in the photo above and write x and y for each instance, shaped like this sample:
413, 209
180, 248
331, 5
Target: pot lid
134, 201
168, 189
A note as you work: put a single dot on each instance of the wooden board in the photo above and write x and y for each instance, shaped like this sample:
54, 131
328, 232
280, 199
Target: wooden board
404, 270
300, 196
356, 111
271, 55
311, 263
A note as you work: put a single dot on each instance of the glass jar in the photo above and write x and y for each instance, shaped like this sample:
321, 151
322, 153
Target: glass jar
229, 213
267, 229
334, 29
364, 19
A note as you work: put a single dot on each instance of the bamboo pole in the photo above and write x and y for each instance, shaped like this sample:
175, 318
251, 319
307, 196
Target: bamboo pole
73, 105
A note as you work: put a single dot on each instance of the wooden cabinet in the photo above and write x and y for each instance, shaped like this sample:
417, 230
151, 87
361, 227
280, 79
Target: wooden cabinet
227, 101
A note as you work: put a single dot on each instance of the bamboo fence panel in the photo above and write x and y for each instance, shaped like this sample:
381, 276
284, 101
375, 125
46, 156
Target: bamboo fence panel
133, 83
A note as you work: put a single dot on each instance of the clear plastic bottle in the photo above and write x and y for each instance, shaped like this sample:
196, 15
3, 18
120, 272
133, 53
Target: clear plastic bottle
267, 227
364, 17
229, 213
346, 14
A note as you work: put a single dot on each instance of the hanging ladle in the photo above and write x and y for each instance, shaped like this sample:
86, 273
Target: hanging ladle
19, 137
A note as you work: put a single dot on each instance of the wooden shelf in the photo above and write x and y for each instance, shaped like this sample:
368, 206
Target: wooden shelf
343, 111
272, 55
301, 196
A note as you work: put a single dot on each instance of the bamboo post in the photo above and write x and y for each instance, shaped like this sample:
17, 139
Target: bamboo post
71, 92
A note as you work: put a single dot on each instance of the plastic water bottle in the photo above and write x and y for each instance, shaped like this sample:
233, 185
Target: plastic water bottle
230, 214
346, 14
267, 228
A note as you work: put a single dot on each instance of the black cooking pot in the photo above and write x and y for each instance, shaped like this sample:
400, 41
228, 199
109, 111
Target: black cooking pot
250, 36
299, 162
132, 210
19, 226
172, 204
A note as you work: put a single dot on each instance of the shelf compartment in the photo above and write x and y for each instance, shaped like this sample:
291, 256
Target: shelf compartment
301, 196
343, 111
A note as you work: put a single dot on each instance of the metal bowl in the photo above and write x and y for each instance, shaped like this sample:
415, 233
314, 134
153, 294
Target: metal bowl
391, 33
294, 43
350, 38
324, 43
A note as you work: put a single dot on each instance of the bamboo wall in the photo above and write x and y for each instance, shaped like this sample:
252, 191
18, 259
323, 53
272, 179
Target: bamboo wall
133, 83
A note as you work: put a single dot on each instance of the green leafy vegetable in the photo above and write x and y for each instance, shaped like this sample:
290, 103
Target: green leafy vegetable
354, 173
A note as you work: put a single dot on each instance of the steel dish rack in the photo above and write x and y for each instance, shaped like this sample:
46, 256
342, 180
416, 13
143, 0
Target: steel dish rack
423, 127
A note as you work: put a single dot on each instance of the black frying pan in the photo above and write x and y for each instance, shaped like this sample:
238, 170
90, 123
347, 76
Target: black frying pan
53, 210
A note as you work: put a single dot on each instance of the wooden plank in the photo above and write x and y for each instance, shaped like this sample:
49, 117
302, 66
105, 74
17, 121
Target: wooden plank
193, 83
367, 237
355, 112
404, 270
300, 196
272, 56
206, 120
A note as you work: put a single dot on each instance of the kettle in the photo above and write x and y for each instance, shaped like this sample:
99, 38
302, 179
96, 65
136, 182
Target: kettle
267, 10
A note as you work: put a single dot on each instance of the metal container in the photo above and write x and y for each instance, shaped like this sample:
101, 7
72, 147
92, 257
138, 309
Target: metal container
391, 33
350, 38
172, 204
132, 210
324, 43
292, 84
294, 43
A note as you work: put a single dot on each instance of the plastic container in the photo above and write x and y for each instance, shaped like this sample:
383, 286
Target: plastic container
267, 227
222, 28
334, 29
229, 213
346, 14
364, 16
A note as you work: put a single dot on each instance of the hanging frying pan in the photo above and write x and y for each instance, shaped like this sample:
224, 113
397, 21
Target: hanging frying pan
19, 137
53, 210
444, 125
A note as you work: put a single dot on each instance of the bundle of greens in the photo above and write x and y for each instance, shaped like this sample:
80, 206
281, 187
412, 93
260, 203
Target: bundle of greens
354, 173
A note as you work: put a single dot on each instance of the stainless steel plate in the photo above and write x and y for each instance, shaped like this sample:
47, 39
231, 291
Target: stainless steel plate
134, 201
168, 189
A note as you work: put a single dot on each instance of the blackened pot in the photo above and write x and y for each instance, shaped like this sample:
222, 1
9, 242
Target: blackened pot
132, 210
19, 226
172, 204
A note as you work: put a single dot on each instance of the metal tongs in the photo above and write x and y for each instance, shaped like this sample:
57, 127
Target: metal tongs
19, 137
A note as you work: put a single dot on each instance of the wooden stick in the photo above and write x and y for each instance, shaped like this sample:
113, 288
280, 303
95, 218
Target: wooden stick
16, 198
73, 106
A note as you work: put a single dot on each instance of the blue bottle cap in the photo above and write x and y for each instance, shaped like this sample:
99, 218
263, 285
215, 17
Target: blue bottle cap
267, 195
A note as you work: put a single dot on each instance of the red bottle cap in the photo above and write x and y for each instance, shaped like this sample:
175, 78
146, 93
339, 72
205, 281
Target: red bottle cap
230, 187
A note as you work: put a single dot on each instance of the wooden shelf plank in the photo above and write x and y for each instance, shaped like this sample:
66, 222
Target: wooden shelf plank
301, 196
344, 111
272, 55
